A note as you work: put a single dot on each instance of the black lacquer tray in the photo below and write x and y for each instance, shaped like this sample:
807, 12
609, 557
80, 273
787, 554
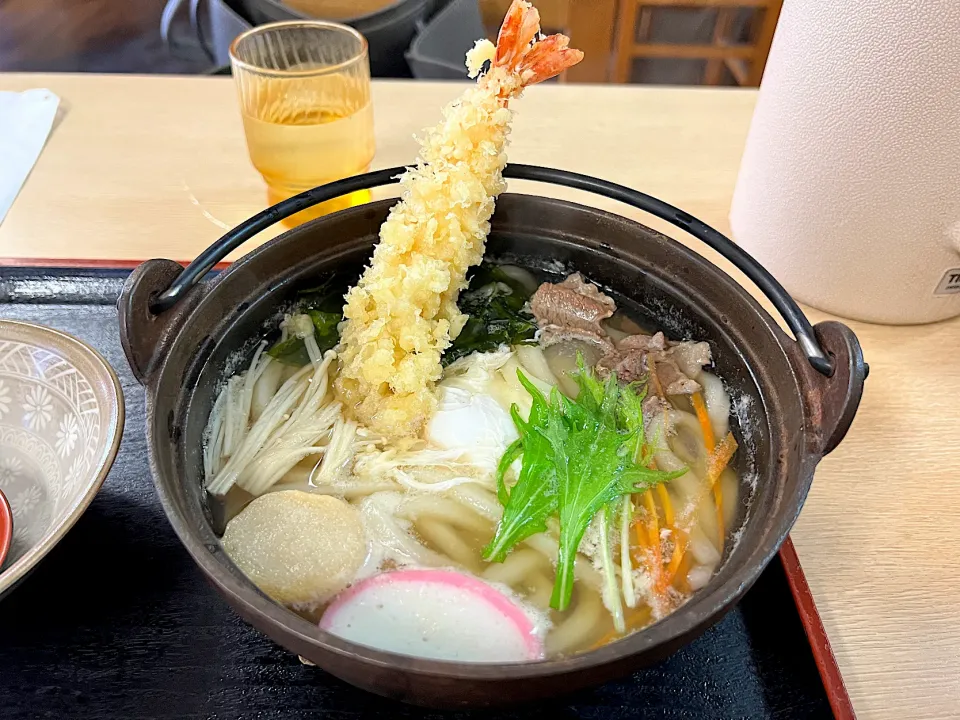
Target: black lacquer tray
118, 622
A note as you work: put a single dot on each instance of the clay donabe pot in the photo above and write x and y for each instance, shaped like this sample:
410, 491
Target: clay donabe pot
796, 397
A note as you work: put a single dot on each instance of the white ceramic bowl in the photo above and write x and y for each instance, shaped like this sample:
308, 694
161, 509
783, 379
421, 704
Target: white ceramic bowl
61, 418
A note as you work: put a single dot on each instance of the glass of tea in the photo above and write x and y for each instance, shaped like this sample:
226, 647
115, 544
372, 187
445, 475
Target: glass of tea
304, 90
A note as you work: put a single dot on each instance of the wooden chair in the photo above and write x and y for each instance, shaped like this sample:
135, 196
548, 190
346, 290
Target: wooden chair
589, 23
744, 60
553, 14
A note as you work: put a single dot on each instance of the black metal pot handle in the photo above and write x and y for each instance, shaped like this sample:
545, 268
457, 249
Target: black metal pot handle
785, 305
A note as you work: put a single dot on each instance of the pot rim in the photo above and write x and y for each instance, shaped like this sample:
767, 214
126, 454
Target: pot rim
251, 602
785, 305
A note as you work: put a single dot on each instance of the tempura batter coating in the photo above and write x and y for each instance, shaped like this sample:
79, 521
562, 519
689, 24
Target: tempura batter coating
403, 313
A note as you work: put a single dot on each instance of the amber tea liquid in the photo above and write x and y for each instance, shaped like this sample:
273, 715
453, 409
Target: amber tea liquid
298, 150
304, 91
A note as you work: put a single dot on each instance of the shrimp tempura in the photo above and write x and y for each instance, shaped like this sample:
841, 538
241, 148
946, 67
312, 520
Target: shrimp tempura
403, 313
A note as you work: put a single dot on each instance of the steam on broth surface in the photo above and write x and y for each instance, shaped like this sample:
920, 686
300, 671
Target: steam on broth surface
510, 473
431, 503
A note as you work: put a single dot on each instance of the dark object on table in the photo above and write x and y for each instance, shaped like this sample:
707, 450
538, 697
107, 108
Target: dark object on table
225, 23
439, 51
100, 36
389, 30
799, 398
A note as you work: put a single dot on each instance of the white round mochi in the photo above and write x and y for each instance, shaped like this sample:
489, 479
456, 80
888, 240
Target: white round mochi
299, 548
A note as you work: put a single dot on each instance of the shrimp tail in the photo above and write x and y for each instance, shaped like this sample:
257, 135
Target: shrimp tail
520, 26
523, 51
548, 58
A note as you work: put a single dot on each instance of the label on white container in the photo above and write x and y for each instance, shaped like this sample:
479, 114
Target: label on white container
950, 284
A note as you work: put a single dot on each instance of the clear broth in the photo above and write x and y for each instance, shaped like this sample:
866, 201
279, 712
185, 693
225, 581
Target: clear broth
586, 624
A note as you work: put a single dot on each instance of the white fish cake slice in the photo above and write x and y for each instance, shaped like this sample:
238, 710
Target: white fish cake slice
299, 548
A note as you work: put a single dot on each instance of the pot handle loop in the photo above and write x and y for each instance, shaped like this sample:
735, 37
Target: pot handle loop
235, 237
785, 305
836, 399
145, 335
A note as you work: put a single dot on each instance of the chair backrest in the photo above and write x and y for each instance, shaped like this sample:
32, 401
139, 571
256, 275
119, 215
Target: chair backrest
388, 30
553, 14
439, 50
224, 25
735, 50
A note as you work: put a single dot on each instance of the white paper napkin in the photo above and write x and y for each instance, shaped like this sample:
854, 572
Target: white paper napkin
25, 122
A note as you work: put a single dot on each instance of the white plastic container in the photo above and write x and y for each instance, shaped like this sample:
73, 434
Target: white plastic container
849, 190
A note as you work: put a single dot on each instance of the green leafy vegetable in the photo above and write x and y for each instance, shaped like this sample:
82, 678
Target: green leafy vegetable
534, 496
321, 303
291, 351
495, 304
327, 296
579, 456
325, 327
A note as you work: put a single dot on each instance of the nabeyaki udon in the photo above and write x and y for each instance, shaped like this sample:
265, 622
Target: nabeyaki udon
469, 462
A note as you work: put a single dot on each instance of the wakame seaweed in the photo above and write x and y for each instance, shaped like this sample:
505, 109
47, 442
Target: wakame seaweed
496, 306
495, 303
324, 304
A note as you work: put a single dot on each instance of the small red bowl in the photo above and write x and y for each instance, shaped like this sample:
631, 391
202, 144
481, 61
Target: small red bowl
6, 527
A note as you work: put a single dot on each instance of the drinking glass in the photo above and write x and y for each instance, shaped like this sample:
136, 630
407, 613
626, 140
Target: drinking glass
304, 89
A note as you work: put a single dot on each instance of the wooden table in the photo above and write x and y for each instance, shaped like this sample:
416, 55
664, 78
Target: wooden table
157, 167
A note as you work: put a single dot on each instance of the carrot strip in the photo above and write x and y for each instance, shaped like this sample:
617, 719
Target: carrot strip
647, 535
710, 440
678, 544
653, 522
700, 407
717, 462
680, 580
639, 531
679, 550
653, 532
666, 504
720, 458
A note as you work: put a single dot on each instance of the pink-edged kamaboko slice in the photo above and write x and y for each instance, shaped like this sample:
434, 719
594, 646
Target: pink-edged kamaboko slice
437, 614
